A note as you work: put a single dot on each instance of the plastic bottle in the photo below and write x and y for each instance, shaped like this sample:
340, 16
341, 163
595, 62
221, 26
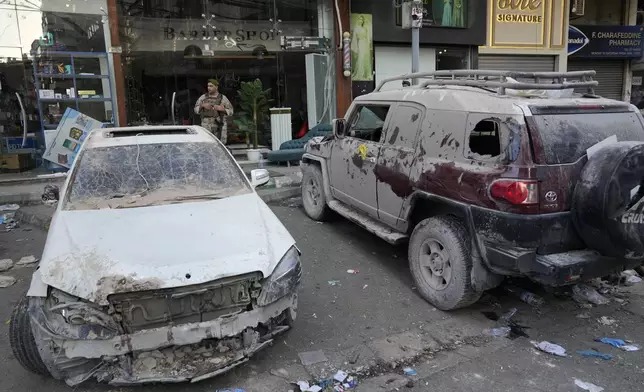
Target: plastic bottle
526, 296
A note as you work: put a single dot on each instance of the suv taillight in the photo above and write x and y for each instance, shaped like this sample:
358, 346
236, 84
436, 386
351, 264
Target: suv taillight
515, 191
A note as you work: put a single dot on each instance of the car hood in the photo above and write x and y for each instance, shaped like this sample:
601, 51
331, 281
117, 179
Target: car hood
94, 253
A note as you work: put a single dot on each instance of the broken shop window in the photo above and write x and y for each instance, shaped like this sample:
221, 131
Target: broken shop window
485, 140
368, 122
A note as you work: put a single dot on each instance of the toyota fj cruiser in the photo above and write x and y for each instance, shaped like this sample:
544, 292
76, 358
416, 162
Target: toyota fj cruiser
488, 174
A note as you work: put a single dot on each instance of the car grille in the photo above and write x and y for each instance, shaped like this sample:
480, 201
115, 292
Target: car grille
188, 304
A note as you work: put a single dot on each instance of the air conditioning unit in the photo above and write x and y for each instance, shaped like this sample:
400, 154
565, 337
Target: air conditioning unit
578, 7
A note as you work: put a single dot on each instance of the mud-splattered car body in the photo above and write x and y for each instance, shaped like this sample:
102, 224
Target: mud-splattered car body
180, 282
401, 156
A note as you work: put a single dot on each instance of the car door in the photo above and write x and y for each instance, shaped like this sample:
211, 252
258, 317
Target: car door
354, 157
395, 161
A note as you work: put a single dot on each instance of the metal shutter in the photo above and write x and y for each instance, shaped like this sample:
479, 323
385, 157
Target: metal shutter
610, 75
517, 63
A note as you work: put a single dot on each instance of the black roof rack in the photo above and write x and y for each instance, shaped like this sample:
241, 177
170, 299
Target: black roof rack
499, 79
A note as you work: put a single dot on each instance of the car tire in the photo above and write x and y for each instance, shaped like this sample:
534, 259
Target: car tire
606, 215
441, 264
22, 340
313, 197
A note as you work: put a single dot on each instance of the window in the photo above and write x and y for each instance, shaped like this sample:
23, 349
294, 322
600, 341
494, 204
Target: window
368, 121
402, 130
484, 140
441, 13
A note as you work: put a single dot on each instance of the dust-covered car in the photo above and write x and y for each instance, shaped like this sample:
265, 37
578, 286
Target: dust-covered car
488, 174
162, 264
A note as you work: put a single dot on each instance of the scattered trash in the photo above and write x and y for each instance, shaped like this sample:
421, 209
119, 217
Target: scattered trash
27, 260
315, 315
306, 387
409, 371
281, 372
334, 282
502, 332
6, 281
365, 286
583, 293
584, 315
588, 386
550, 348
312, 357
9, 207
619, 343
230, 390
6, 264
506, 327
340, 376
605, 320
50, 194
526, 296
593, 353
631, 277
352, 271
11, 224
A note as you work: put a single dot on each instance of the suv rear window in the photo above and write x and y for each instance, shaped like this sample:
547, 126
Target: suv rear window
566, 137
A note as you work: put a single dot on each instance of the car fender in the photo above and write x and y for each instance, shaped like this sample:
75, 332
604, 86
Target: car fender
306, 159
37, 288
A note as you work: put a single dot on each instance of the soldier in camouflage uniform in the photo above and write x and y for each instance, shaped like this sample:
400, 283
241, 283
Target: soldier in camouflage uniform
213, 107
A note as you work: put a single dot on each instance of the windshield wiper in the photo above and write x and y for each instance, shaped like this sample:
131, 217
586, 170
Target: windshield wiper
210, 196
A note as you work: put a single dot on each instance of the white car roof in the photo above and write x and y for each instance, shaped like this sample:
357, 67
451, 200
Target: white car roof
148, 134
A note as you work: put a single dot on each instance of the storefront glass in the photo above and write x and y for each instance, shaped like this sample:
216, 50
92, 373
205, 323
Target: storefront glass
441, 13
452, 58
171, 48
46, 49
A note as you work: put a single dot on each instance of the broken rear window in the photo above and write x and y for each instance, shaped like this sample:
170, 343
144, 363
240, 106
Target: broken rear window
151, 174
566, 137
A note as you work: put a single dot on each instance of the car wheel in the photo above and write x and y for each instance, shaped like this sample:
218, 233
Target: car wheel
313, 197
22, 339
441, 263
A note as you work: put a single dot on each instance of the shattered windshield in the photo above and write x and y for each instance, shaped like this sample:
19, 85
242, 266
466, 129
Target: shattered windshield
151, 174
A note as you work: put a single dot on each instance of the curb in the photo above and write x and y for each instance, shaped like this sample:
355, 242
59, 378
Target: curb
42, 221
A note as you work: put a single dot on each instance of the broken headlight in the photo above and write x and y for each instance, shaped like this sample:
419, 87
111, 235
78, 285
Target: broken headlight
283, 280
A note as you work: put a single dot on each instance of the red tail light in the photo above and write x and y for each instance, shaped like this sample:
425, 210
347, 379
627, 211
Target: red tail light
515, 191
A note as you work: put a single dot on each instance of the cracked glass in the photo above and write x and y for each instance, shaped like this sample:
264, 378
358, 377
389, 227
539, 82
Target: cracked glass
151, 174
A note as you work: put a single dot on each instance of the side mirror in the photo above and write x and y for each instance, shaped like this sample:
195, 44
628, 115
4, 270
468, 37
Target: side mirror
259, 177
340, 127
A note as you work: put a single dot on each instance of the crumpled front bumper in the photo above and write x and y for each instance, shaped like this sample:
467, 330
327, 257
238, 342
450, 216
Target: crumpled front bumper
179, 353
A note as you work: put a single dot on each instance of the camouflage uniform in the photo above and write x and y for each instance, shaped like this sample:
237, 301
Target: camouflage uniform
212, 120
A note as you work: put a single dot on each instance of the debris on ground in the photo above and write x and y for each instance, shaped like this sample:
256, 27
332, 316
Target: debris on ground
281, 372
505, 326
526, 296
312, 357
230, 390
340, 382
6, 265
6, 281
605, 320
595, 354
26, 260
409, 371
550, 348
588, 386
50, 194
618, 343
334, 282
631, 277
9, 207
352, 271
584, 315
583, 293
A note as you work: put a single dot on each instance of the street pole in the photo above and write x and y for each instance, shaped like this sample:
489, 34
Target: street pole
416, 24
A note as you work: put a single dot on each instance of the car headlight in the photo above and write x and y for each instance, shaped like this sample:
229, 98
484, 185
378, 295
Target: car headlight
283, 280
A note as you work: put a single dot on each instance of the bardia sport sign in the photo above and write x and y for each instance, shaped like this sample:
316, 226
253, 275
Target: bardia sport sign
617, 42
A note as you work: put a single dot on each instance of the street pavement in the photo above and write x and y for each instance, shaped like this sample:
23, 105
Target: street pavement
374, 323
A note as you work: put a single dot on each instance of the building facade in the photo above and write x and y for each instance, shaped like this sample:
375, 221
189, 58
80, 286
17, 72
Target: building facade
603, 36
381, 48
526, 36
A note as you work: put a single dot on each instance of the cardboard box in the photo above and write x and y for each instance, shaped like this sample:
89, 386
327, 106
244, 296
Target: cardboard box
16, 162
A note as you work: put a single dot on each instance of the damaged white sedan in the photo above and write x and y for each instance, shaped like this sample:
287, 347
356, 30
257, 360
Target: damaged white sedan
162, 264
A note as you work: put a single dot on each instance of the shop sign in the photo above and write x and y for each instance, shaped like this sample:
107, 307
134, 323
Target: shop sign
618, 42
154, 35
518, 22
637, 81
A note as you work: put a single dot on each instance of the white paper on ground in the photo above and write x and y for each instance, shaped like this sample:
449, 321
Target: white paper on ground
588, 386
592, 150
340, 376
